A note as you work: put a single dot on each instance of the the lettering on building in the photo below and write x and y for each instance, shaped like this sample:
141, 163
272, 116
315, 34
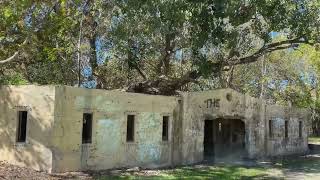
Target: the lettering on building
213, 103
27, 108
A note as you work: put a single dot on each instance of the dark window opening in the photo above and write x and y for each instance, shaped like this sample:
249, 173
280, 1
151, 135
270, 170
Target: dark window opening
87, 128
270, 128
22, 126
165, 128
300, 129
130, 128
208, 141
286, 129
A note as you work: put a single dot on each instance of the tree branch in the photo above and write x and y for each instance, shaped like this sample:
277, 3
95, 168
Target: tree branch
167, 53
15, 54
266, 49
11, 58
131, 59
140, 72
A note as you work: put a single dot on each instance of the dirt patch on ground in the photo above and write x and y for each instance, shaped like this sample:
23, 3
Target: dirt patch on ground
8, 171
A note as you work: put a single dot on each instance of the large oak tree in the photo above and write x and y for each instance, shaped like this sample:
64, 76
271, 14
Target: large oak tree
152, 39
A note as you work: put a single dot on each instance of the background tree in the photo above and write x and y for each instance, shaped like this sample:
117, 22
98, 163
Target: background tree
212, 36
268, 49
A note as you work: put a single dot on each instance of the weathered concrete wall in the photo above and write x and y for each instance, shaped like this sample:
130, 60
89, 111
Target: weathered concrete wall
221, 103
54, 129
39, 102
255, 126
109, 148
228, 104
278, 144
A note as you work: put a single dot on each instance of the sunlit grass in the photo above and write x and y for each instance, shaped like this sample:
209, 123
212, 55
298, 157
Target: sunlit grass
277, 169
314, 140
210, 172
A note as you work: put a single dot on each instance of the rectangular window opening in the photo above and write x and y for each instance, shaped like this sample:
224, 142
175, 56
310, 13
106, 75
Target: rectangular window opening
300, 129
286, 123
165, 128
87, 128
270, 128
130, 128
22, 126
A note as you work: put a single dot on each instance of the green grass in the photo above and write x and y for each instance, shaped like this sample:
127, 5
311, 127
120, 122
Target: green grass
208, 172
276, 169
301, 164
314, 140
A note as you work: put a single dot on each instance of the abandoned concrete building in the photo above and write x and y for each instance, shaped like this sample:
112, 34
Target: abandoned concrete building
61, 128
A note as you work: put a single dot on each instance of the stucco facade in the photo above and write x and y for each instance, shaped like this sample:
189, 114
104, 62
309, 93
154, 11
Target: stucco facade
200, 125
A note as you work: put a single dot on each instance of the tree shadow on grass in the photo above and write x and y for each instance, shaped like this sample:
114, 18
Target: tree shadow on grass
302, 164
208, 172
219, 173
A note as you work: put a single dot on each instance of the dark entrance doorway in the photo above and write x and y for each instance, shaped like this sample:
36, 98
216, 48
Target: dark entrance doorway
208, 143
224, 138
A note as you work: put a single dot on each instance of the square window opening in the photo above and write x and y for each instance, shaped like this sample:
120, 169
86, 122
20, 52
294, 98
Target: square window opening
165, 128
22, 126
300, 129
286, 124
270, 128
130, 128
87, 128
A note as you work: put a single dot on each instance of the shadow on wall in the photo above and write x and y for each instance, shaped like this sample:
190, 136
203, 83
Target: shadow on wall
35, 151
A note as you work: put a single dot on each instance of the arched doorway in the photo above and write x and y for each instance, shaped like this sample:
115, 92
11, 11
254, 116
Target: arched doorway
224, 138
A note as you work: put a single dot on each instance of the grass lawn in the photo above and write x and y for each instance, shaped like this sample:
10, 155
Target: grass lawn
301, 164
194, 172
295, 168
314, 140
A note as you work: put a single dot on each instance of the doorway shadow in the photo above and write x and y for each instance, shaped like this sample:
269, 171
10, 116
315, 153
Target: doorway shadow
224, 140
